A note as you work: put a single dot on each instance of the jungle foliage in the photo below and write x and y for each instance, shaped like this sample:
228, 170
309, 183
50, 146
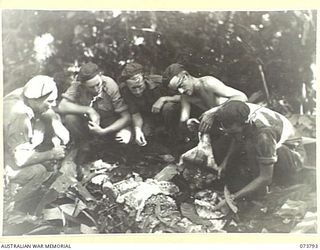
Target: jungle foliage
269, 51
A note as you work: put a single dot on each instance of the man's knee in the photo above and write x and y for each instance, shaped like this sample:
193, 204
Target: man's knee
170, 108
170, 113
124, 135
33, 172
76, 125
287, 166
71, 120
148, 128
38, 171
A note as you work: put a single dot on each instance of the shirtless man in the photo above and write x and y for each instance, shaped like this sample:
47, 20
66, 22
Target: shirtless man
206, 93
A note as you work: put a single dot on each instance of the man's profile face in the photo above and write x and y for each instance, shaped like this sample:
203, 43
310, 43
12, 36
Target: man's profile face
182, 84
94, 85
41, 105
136, 84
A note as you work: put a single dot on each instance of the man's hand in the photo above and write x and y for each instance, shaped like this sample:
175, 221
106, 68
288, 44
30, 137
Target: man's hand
123, 136
157, 106
58, 153
94, 116
193, 124
95, 128
227, 203
140, 139
61, 131
206, 122
64, 135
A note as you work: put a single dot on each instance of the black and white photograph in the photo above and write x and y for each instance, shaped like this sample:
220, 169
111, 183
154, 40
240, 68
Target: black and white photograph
159, 122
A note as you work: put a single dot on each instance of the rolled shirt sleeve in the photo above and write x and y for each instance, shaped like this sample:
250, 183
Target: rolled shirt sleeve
72, 92
113, 91
266, 147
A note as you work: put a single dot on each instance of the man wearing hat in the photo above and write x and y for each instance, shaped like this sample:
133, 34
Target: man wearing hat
33, 134
205, 94
149, 103
94, 109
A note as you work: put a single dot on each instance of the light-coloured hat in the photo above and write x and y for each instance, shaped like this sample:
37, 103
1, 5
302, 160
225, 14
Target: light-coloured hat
39, 86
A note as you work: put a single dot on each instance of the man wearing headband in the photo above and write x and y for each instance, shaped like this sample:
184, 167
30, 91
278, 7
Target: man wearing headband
94, 110
150, 105
33, 135
205, 93
266, 148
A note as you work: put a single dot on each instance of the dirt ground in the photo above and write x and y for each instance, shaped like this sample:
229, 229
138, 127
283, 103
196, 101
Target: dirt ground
121, 193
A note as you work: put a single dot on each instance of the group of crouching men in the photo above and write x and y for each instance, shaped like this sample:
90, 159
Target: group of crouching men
253, 146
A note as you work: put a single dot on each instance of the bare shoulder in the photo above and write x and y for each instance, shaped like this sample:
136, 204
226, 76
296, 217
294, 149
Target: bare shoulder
210, 81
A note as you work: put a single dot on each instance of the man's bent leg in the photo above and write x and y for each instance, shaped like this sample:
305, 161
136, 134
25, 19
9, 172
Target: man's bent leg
30, 179
171, 114
77, 125
287, 167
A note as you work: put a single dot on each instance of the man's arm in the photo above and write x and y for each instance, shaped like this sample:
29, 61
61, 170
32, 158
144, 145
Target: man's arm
156, 107
119, 124
265, 150
174, 98
220, 89
25, 155
59, 129
68, 104
264, 179
68, 107
19, 142
224, 163
137, 121
266, 157
185, 110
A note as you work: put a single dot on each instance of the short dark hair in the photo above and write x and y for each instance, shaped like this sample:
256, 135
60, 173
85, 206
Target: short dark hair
232, 112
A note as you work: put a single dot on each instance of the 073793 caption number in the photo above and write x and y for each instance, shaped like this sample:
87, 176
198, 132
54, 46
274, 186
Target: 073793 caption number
308, 245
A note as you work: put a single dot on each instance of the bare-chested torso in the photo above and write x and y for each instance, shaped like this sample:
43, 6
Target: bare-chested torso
203, 97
